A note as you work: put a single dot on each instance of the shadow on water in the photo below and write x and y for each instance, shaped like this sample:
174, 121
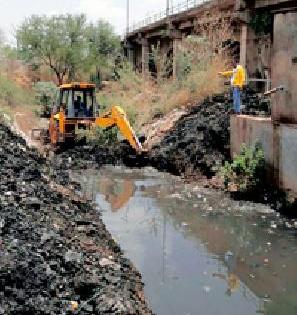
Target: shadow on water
199, 252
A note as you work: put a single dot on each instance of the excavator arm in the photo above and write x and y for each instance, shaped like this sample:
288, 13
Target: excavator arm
117, 117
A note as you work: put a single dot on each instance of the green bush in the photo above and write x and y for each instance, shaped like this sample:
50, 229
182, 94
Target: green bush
98, 136
246, 171
45, 92
45, 95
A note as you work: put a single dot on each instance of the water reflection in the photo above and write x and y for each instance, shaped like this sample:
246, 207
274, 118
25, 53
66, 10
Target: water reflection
198, 254
117, 194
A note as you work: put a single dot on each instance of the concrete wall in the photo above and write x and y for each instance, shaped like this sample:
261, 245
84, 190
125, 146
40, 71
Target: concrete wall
249, 130
279, 143
288, 157
284, 70
255, 53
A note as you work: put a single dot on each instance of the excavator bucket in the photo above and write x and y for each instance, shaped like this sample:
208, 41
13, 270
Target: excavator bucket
117, 117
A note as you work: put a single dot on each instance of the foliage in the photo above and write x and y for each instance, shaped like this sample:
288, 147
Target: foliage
193, 55
13, 88
99, 136
11, 94
161, 63
103, 48
8, 52
262, 22
246, 171
66, 44
45, 94
57, 42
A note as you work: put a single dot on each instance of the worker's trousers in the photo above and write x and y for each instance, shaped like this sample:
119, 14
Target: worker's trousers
236, 99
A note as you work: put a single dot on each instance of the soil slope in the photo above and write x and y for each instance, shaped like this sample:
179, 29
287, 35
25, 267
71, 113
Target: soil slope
56, 256
199, 142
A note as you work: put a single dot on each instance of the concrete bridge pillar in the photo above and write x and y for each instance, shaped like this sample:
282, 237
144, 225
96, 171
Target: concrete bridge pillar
144, 56
130, 52
176, 43
284, 105
243, 45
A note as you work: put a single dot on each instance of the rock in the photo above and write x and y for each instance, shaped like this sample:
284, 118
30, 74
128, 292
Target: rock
71, 256
105, 262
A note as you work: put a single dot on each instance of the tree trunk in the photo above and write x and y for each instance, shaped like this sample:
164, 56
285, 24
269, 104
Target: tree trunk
60, 78
98, 77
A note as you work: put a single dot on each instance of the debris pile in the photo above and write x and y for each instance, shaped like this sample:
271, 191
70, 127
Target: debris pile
200, 141
95, 156
56, 256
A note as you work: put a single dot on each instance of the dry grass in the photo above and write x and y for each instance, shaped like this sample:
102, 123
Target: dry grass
144, 98
199, 58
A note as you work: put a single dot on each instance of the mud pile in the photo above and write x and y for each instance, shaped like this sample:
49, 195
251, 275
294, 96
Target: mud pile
56, 256
200, 141
95, 156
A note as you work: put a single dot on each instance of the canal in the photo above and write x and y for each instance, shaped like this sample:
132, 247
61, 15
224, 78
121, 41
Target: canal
199, 252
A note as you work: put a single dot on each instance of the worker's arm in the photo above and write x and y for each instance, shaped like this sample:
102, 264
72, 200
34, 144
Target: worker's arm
117, 117
226, 73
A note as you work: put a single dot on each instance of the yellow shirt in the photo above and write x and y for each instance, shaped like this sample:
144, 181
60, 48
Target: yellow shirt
57, 116
238, 76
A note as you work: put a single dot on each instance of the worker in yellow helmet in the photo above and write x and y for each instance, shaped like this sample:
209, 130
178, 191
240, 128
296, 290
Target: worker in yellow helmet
238, 80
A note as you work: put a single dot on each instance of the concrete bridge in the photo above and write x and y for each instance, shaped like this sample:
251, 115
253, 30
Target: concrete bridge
169, 27
271, 56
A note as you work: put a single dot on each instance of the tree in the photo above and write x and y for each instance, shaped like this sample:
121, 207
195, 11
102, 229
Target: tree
58, 42
104, 45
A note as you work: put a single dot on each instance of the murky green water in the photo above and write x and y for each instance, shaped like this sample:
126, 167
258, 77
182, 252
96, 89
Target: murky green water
198, 251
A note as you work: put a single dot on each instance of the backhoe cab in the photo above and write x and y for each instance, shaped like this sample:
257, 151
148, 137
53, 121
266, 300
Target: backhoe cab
76, 108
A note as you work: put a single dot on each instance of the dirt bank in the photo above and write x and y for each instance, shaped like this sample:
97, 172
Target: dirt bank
199, 142
56, 256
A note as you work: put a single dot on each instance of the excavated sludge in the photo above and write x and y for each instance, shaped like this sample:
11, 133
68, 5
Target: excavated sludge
199, 142
56, 256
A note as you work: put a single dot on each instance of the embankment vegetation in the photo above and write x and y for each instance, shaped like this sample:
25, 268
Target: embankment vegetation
145, 97
247, 170
15, 88
198, 59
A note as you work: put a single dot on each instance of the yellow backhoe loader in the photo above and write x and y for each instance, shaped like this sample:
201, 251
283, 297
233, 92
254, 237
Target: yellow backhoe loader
75, 109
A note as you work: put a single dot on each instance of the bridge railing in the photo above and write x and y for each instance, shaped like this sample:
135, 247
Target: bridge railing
172, 10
